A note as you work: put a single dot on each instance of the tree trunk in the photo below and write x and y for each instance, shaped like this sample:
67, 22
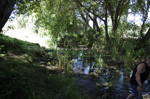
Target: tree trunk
95, 25
116, 12
106, 26
145, 16
6, 7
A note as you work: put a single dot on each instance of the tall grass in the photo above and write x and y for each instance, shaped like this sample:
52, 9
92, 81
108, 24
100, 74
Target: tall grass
123, 51
22, 78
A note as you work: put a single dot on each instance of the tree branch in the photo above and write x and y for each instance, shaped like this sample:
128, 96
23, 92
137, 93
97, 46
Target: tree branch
89, 10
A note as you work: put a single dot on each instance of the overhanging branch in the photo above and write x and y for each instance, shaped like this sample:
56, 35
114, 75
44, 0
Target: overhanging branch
89, 10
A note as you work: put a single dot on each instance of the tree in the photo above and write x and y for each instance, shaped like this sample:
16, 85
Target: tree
63, 17
6, 7
116, 10
141, 7
105, 9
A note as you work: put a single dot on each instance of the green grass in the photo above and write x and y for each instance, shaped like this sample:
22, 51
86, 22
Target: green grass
22, 78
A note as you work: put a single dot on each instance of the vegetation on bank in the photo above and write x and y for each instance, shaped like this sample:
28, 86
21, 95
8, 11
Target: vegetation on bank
21, 77
109, 25
119, 28
101, 25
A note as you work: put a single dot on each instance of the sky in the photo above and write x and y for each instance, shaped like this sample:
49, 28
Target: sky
131, 18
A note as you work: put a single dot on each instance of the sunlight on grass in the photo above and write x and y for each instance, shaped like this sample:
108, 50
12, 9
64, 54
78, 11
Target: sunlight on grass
26, 35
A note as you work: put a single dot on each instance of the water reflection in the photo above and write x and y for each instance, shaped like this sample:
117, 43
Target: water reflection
119, 81
88, 62
84, 66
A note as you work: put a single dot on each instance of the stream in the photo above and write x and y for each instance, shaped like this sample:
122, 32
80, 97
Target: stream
100, 79
111, 82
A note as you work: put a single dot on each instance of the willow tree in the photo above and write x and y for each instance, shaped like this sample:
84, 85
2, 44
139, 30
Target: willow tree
103, 10
117, 8
65, 17
142, 7
58, 17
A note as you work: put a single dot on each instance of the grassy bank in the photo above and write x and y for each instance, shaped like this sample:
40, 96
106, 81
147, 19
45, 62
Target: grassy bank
21, 77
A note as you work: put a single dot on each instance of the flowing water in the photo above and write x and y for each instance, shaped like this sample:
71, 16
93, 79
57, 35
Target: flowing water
98, 75
112, 75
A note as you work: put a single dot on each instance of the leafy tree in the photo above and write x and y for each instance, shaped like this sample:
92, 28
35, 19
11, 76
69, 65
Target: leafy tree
141, 7
66, 17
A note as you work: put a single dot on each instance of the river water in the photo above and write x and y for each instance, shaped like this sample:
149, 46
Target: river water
86, 64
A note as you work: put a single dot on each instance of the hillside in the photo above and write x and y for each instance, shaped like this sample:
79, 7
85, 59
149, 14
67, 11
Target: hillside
21, 76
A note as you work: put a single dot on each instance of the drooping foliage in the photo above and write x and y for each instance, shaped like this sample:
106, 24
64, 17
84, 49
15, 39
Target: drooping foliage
91, 22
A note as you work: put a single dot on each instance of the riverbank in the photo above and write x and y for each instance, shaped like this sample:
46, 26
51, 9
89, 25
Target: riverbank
29, 71
22, 77
98, 82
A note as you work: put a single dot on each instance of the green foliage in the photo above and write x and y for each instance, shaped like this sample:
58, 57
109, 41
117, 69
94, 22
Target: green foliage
14, 84
63, 59
35, 83
12, 45
62, 18
22, 22
67, 22
22, 78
